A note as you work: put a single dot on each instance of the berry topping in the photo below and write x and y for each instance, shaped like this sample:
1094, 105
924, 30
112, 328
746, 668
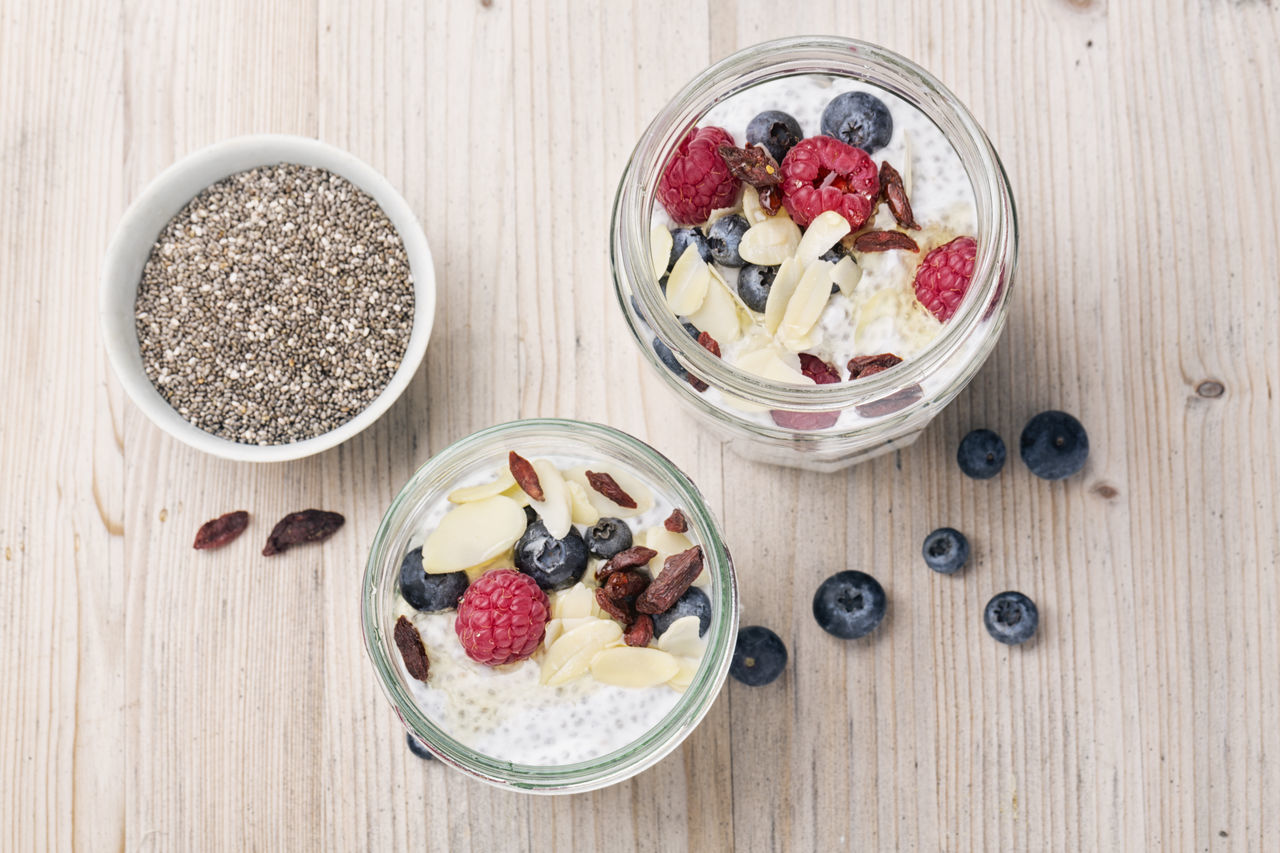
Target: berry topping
607, 537
759, 656
944, 275
429, 593
822, 174
1054, 445
697, 180
776, 131
849, 604
418, 748
858, 119
818, 370
753, 285
724, 235
1011, 618
946, 550
553, 563
502, 617
981, 454
680, 240
694, 602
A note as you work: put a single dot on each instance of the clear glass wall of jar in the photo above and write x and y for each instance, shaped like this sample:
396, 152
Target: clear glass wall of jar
847, 422
486, 451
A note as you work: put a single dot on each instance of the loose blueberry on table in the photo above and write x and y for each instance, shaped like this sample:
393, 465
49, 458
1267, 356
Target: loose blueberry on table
1011, 618
759, 656
981, 454
946, 550
1054, 445
849, 604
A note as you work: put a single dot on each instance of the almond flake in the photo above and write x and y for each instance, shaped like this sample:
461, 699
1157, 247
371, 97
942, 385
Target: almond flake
580, 506
554, 511
824, 231
846, 274
473, 533
467, 494
681, 638
688, 282
718, 315
771, 242
806, 304
571, 603
570, 656
684, 675
776, 365
784, 285
751, 209
627, 666
660, 242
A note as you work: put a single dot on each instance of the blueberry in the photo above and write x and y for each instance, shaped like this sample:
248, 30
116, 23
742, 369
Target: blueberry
724, 235
849, 604
981, 454
1054, 445
427, 592
753, 285
759, 656
553, 563
667, 357
680, 239
1011, 618
776, 131
859, 119
693, 603
691, 329
946, 550
607, 537
418, 748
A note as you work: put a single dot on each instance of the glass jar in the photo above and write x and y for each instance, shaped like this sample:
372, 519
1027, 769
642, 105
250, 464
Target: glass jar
849, 421
487, 451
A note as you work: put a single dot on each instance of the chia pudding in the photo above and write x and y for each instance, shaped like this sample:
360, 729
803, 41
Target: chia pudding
812, 229
593, 633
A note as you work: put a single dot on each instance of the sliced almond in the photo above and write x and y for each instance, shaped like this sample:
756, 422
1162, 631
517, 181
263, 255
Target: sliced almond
666, 543
721, 212
718, 316
784, 285
774, 364
572, 603
846, 274
681, 638
802, 343
517, 494
468, 494
580, 506
806, 304
555, 511
473, 533
824, 231
502, 561
633, 666
771, 242
684, 675
751, 208
660, 242
570, 656
555, 627
638, 491
884, 304
687, 285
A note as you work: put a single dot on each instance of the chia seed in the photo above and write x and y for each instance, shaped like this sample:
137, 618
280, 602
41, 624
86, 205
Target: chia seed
276, 306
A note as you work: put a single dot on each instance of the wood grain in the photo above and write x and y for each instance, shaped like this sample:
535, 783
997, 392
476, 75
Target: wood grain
158, 699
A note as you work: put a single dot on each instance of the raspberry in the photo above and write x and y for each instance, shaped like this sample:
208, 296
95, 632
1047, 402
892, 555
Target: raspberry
501, 617
943, 276
697, 180
821, 173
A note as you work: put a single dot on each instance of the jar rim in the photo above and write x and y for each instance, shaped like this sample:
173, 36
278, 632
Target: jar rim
387, 550
793, 56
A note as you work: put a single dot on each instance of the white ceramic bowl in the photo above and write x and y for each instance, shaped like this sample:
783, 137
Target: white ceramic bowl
165, 197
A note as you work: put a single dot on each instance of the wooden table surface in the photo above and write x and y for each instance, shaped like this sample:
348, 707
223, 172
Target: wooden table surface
156, 699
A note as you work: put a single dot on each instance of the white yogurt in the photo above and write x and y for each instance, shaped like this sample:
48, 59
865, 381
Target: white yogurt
505, 712
882, 314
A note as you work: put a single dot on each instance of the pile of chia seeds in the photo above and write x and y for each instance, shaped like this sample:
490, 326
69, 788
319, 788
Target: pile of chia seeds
276, 306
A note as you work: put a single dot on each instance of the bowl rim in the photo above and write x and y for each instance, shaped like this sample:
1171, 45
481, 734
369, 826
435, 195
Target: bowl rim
128, 251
